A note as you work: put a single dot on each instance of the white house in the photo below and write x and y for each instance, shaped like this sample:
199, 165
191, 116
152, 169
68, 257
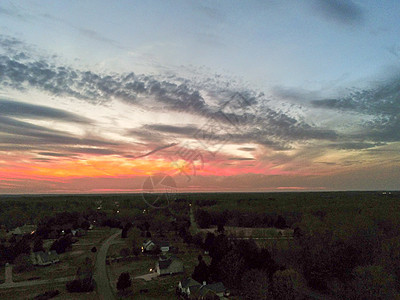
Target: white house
169, 266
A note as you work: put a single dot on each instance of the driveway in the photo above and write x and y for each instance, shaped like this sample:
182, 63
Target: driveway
34, 282
100, 272
147, 277
8, 274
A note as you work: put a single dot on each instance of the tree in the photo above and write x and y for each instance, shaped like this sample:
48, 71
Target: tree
124, 281
372, 282
256, 285
85, 225
231, 268
201, 272
288, 285
62, 244
38, 245
94, 250
209, 241
198, 238
203, 218
22, 263
124, 233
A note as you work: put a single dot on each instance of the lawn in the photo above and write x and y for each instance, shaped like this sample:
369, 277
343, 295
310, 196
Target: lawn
32, 291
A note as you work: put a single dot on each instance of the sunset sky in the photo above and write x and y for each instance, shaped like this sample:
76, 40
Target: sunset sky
96, 96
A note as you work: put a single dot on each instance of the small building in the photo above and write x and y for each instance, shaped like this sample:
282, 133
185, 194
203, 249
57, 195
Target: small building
78, 232
41, 258
169, 266
164, 246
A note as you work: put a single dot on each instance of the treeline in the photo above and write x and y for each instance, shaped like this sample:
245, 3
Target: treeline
205, 219
354, 256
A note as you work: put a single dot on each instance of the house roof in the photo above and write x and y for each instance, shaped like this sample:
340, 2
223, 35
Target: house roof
148, 243
213, 288
165, 263
47, 256
162, 243
216, 287
23, 229
189, 282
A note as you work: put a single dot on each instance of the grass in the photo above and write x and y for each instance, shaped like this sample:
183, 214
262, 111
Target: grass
32, 291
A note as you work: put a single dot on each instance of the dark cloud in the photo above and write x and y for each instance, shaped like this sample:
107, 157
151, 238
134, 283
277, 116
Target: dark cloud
354, 145
156, 150
54, 154
21, 133
19, 109
101, 151
243, 114
249, 149
343, 11
381, 103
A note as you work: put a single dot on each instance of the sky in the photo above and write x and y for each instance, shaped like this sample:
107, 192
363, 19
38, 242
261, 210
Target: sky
132, 96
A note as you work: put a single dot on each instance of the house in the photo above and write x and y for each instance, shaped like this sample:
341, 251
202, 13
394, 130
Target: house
148, 246
217, 288
41, 258
169, 266
190, 286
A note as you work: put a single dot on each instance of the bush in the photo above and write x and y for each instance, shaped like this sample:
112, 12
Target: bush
288, 284
47, 295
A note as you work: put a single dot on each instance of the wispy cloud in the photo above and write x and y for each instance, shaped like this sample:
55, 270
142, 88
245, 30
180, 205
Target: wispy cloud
26, 110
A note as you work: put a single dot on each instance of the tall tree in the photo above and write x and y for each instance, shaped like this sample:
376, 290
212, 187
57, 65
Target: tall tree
124, 281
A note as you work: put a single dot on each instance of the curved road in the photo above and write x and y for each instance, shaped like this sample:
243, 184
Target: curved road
100, 272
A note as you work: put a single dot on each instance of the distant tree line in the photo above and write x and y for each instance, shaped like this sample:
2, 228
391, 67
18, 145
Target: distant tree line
205, 219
